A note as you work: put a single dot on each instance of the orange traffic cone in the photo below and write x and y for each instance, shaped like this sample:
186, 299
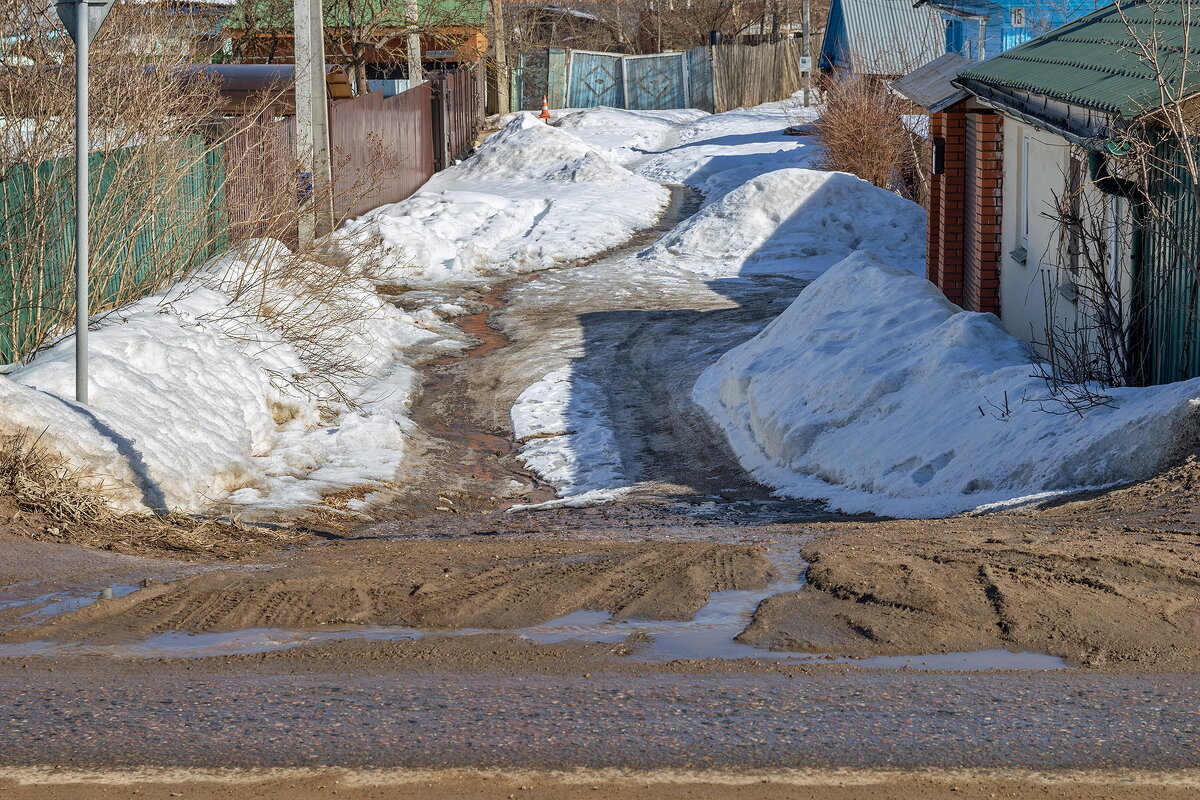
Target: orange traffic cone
545, 110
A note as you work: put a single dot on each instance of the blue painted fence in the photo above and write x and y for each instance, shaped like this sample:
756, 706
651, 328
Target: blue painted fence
585, 79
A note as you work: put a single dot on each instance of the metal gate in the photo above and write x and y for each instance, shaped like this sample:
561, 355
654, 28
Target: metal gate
656, 82
595, 79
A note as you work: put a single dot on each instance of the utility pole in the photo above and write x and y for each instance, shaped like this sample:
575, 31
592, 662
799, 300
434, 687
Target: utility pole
500, 51
807, 50
82, 19
312, 124
416, 70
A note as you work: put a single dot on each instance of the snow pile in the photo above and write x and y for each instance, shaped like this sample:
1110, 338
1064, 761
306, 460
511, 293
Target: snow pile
624, 134
719, 153
868, 391
567, 440
532, 197
231, 389
796, 221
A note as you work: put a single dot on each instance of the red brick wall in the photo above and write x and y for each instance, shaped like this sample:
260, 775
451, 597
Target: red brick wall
965, 208
946, 204
984, 182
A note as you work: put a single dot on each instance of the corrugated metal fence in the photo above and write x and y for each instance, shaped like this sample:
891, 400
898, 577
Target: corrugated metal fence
166, 212
709, 78
383, 148
1167, 294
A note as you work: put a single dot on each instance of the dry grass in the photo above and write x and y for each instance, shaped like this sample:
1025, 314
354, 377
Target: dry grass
861, 129
52, 502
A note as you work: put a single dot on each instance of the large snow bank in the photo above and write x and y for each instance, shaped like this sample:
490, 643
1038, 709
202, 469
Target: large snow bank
625, 134
867, 391
796, 221
230, 389
533, 196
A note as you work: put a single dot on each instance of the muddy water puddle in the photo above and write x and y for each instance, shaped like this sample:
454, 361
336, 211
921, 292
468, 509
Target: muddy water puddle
711, 633
31, 610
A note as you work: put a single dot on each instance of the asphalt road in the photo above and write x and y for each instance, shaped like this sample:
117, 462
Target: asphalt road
149, 717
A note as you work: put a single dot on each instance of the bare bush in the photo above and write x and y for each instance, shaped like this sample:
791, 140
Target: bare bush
861, 128
156, 212
65, 506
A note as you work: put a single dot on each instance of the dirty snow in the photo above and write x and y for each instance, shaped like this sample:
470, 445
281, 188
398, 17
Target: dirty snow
566, 437
868, 389
202, 397
533, 196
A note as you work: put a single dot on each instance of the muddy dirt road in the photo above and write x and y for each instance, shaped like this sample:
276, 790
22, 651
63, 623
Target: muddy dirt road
646, 337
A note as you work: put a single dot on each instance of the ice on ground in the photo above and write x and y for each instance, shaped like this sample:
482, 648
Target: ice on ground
720, 152
868, 391
565, 433
795, 221
532, 197
231, 389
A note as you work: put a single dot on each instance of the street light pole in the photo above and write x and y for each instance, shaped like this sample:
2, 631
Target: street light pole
82, 19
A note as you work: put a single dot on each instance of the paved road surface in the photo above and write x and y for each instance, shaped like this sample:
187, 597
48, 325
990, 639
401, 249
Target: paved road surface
406, 719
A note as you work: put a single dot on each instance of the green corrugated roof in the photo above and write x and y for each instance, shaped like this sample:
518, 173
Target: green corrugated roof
1095, 61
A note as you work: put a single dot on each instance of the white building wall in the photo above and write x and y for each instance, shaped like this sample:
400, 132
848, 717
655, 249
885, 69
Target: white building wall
1036, 169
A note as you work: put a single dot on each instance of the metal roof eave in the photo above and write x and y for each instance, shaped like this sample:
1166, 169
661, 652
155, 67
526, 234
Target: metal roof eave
1013, 106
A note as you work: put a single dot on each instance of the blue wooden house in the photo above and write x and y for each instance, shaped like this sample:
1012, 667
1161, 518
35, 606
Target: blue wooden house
980, 29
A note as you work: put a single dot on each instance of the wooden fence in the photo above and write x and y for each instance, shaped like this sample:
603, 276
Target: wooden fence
458, 98
716, 78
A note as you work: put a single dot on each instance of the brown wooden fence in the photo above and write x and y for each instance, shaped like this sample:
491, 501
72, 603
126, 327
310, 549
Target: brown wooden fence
458, 97
382, 149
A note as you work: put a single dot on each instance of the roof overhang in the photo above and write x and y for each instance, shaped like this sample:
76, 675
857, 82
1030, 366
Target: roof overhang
931, 86
1085, 127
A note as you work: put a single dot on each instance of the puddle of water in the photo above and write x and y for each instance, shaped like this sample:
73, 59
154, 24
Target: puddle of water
55, 603
710, 634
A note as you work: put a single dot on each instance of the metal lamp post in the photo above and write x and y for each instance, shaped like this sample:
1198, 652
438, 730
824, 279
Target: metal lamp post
82, 19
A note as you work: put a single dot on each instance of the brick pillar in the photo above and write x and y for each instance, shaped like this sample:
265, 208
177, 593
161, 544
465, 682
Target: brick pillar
947, 197
984, 179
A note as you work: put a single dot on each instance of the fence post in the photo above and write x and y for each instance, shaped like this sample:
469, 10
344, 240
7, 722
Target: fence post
624, 81
718, 89
570, 73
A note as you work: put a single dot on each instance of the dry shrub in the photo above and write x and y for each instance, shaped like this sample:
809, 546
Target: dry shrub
57, 503
39, 482
861, 129
152, 215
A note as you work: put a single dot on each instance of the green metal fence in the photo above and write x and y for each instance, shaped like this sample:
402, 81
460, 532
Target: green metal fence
1168, 282
157, 212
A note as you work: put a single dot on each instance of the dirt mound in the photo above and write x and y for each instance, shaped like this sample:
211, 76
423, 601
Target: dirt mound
428, 584
1121, 598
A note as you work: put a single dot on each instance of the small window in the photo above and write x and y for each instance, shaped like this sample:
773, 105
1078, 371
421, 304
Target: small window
938, 167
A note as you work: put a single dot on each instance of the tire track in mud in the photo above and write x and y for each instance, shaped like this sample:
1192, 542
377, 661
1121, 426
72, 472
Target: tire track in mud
469, 458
